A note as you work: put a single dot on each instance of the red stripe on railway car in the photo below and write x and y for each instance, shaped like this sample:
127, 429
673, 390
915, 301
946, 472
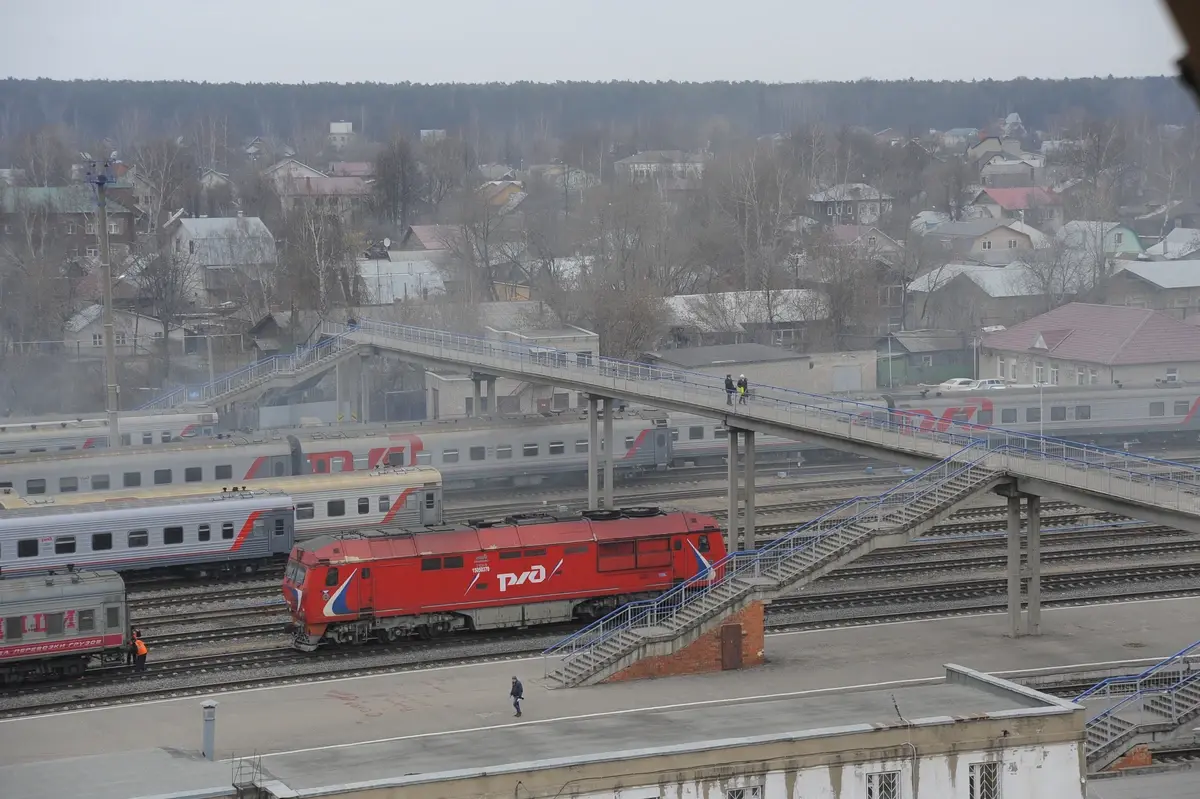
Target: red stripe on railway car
60, 647
397, 505
245, 531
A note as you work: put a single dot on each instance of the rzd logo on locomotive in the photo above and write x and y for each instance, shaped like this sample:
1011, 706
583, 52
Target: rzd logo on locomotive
535, 575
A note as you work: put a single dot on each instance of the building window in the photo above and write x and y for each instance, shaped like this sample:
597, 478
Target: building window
927, 360
114, 227
89, 228
1053, 374
192, 247
71, 229
1039, 372
984, 781
749, 792
93, 252
871, 241
1093, 377
1173, 375
987, 245
885, 785
119, 339
1118, 237
1012, 244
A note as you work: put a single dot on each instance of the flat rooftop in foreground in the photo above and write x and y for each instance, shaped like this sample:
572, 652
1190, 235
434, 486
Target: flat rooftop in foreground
525, 746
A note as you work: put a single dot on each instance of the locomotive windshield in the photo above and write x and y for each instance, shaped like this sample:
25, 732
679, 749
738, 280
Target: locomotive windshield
295, 572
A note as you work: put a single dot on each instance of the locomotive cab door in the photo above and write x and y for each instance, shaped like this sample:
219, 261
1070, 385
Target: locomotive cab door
366, 593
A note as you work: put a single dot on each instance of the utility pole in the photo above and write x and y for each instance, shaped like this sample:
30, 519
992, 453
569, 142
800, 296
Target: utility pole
100, 179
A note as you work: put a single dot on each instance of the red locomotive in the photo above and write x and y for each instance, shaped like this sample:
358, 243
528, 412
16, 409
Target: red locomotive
530, 569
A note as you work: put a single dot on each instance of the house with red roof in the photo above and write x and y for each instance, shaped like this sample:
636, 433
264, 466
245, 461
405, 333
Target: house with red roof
1032, 205
1084, 344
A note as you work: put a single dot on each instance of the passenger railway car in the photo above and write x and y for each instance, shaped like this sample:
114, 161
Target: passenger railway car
233, 530
57, 624
323, 502
526, 570
138, 431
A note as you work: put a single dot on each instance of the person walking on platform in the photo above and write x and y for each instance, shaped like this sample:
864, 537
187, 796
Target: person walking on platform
517, 693
139, 646
743, 388
729, 389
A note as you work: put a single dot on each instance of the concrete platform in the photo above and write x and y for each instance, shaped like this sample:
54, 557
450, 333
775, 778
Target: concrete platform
315, 717
1169, 783
158, 773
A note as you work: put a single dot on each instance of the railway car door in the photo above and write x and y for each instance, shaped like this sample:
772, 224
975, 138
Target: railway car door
662, 447
282, 526
431, 505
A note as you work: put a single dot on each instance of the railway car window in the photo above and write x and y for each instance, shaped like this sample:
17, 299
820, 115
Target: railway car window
335, 507
1008, 415
1158, 409
64, 545
431, 564
126, 439
424, 458
629, 442
99, 482
1033, 414
172, 535
279, 527
101, 541
674, 433
1058, 413
449, 456
65, 447
138, 538
27, 548
364, 504
696, 433
478, 453
452, 562
304, 510
87, 621
581, 447
557, 447
147, 438
1182, 407
503, 452
704, 547
322, 466
721, 432
226, 530
430, 500
529, 450
385, 504
331, 577
132, 479
985, 417
37, 449
1083, 411
112, 618
8, 452
68, 484
35, 486
204, 532
193, 474
14, 628
223, 472
579, 550
54, 624
510, 555
165, 436
162, 477
534, 553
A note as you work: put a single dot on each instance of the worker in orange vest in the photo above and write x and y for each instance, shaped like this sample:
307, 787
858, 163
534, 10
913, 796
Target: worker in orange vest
140, 652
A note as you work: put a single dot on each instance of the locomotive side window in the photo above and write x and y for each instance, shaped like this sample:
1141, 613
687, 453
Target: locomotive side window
364, 504
557, 447
1058, 414
581, 447
223, 472
1083, 411
431, 564
193, 474
529, 450
99, 482
112, 618
1158, 409
534, 553
704, 543
385, 504
576, 550
204, 532
1008, 416
503, 555
27, 548
35, 486
87, 621
132, 479
14, 628
68, 484
139, 538
335, 507
64, 545
54, 624
101, 541
227, 530
162, 477
305, 510
478, 453
452, 562
504, 452
172, 535
449, 456
331, 577
1182, 407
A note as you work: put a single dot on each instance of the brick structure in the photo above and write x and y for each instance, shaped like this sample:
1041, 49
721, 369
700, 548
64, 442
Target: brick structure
703, 654
1137, 757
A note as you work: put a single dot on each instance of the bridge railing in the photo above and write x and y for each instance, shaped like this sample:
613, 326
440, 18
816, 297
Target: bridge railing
1163, 482
757, 563
1173, 706
1160, 675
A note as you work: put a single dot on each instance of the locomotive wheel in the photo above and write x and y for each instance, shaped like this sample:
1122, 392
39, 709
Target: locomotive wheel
424, 632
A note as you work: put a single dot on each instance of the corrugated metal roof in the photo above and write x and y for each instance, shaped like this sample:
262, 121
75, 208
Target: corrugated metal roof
1021, 198
230, 241
78, 199
1166, 274
1013, 280
732, 310
1180, 241
1112, 335
848, 191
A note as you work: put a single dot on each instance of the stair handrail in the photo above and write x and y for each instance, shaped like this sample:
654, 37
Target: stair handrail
1095, 723
1106, 687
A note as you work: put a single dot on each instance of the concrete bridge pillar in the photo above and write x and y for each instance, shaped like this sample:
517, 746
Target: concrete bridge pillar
493, 403
593, 453
1014, 565
610, 407
475, 381
748, 535
1033, 621
1033, 562
732, 516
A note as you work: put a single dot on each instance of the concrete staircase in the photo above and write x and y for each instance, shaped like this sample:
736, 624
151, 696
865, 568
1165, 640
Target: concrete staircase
677, 618
1141, 708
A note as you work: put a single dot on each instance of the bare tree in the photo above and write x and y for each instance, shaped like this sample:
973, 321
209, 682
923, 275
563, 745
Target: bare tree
168, 176
319, 259
169, 281
447, 163
35, 289
399, 182
45, 158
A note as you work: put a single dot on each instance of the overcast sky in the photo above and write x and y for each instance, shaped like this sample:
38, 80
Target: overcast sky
434, 41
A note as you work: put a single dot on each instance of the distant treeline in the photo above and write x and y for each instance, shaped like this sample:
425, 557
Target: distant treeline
651, 114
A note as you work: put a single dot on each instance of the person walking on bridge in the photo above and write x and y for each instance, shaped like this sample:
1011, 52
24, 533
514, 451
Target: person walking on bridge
730, 388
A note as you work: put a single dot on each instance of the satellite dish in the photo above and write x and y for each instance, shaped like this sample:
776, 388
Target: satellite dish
387, 242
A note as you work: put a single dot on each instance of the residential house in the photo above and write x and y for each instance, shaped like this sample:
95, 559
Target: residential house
780, 318
288, 171
1001, 172
432, 238
502, 196
345, 197
230, 258
911, 357
660, 164
351, 169
868, 239
133, 334
959, 138
1113, 239
1172, 287
1158, 219
991, 241
432, 136
968, 297
821, 373
218, 194
991, 145
1084, 344
496, 172
849, 204
390, 273
1032, 205
1180, 244
890, 137
257, 147
340, 134
64, 217
576, 179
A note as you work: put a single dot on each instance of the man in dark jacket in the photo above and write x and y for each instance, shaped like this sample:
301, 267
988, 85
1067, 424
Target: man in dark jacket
517, 693
730, 389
